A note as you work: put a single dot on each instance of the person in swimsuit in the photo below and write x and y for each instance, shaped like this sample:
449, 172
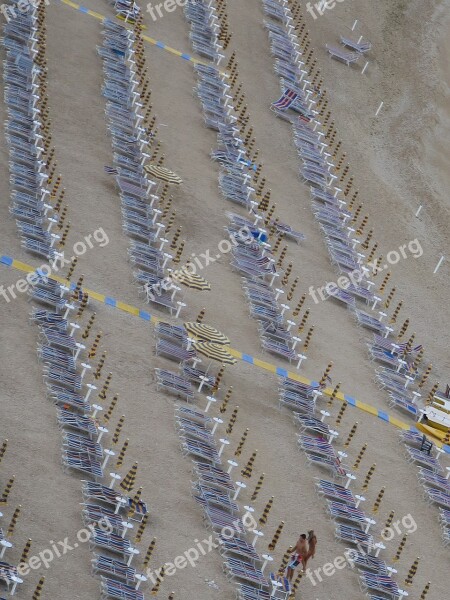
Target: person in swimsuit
300, 551
312, 542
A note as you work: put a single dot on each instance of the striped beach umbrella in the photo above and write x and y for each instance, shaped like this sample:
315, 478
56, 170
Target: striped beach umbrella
122, 452
360, 456
215, 352
191, 280
276, 537
284, 561
163, 174
425, 591
25, 552
13, 522
7, 490
134, 502
141, 529
241, 443
389, 520
98, 371
258, 487
400, 548
223, 406
206, 333
376, 506
263, 518
118, 429
3, 449
109, 412
159, 579
38, 590
412, 571
232, 422
149, 553
247, 470
127, 482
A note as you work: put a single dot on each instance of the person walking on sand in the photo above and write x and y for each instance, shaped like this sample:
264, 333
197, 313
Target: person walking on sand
300, 551
312, 542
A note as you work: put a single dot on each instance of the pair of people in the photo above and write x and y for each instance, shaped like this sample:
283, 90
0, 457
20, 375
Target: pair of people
305, 548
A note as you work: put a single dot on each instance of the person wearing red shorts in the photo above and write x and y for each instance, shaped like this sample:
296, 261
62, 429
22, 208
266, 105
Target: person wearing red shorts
300, 551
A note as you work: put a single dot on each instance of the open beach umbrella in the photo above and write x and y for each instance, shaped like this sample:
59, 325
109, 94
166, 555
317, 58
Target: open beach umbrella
163, 174
206, 333
215, 352
192, 280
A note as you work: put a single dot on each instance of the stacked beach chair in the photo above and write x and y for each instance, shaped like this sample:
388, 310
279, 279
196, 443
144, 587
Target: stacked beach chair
9, 574
133, 136
216, 492
433, 476
36, 191
352, 525
213, 487
304, 104
252, 255
70, 377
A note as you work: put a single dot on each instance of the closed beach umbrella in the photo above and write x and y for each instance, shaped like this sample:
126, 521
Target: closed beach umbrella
127, 483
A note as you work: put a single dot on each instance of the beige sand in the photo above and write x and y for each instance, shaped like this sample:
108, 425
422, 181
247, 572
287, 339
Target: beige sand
394, 158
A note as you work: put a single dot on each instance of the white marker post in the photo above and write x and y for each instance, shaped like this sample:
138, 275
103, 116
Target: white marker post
379, 108
418, 210
441, 260
354, 25
365, 68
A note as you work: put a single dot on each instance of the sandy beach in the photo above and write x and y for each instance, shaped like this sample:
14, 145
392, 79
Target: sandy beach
398, 162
